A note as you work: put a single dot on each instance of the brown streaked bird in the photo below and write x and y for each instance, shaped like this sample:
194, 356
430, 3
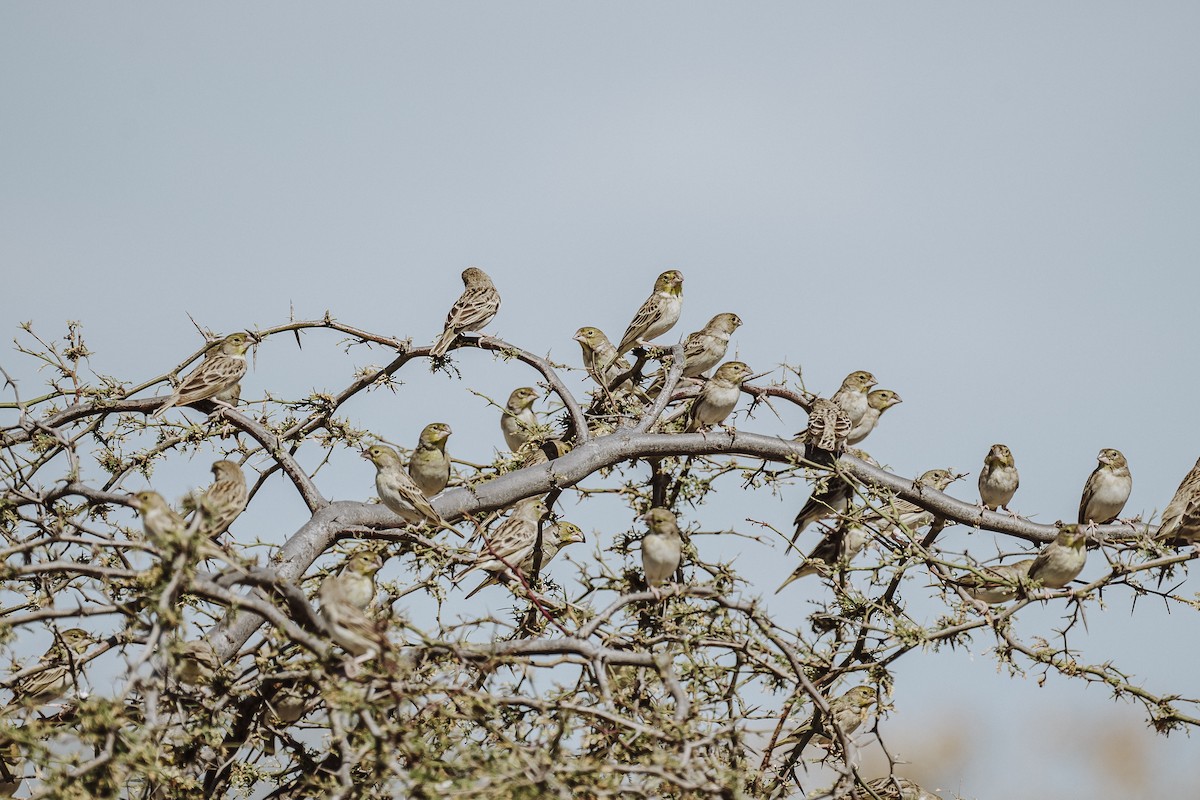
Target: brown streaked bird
398, 491
344, 599
600, 358
836, 549
518, 553
658, 314
703, 349
852, 394
998, 583
878, 402
223, 501
719, 396
54, 673
904, 514
847, 713
512, 539
474, 309
429, 466
1181, 517
998, 480
828, 427
518, 420
1107, 489
218, 373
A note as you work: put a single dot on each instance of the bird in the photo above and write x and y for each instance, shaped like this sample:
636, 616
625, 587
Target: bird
703, 349
554, 538
600, 358
398, 491
344, 599
55, 671
10, 772
836, 548
658, 314
998, 480
893, 787
905, 514
662, 547
223, 501
1180, 519
429, 466
852, 394
1107, 489
165, 528
998, 583
878, 402
512, 539
474, 309
847, 713
1059, 562
218, 373
718, 397
533, 453
518, 420
828, 427
196, 662
829, 498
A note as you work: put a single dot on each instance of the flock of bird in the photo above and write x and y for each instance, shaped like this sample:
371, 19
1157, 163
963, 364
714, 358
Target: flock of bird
508, 554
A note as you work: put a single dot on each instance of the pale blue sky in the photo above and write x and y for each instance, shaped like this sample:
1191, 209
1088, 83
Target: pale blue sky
992, 207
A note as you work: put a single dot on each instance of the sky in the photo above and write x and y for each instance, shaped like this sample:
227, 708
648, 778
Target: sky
990, 206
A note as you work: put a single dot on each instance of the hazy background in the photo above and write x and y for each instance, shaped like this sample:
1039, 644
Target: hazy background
994, 209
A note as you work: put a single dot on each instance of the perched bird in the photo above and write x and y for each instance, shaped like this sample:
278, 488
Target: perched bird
836, 548
1059, 562
518, 420
997, 584
1180, 519
718, 397
878, 402
520, 553
998, 480
165, 529
893, 787
852, 394
429, 466
512, 540
55, 671
600, 358
1107, 489
662, 547
828, 427
398, 491
474, 309
10, 769
344, 599
847, 713
217, 373
223, 501
286, 705
658, 314
533, 453
830, 498
703, 349
196, 662
907, 515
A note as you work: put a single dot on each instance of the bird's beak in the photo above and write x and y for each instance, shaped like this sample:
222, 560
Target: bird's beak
896, 399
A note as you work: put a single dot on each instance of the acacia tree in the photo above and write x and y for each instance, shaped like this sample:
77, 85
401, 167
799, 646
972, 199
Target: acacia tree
209, 668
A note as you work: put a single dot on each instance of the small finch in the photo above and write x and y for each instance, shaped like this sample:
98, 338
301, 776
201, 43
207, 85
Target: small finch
518, 553
344, 599
998, 583
429, 466
1059, 562
1181, 517
852, 395
662, 547
223, 501
196, 662
518, 420
54, 673
398, 491
847, 713
828, 427
893, 787
533, 453
907, 515
878, 402
165, 529
838, 547
704, 349
474, 309
512, 539
217, 373
600, 358
658, 314
1107, 489
998, 480
719, 396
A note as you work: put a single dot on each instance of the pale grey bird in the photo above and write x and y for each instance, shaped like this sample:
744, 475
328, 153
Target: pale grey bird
662, 547
658, 314
998, 480
852, 394
429, 466
518, 421
878, 402
1107, 489
998, 583
719, 396
1059, 562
